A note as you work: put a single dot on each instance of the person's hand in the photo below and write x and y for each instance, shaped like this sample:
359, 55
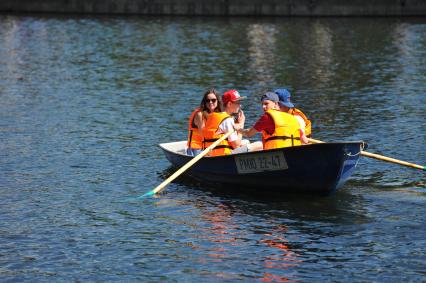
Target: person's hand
241, 118
303, 137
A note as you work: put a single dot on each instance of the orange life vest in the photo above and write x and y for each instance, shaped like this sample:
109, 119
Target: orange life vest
210, 134
195, 140
286, 131
308, 127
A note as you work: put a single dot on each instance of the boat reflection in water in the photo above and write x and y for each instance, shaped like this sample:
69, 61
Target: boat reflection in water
283, 259
226, 235
278, 237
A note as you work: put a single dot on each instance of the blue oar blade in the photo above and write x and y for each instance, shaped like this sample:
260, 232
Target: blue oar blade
148, 194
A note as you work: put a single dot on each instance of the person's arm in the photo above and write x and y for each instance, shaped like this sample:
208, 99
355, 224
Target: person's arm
302, 125
239, 124
265, 122
235, 144
199, 122
228, 125
303, 137
248, 132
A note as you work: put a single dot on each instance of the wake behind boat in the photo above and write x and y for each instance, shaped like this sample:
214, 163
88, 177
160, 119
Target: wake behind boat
314, 168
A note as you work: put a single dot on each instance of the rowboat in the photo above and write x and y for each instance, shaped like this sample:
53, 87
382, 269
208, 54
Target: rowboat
321, 168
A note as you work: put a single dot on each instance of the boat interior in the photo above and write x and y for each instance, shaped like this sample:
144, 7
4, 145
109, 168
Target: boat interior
178, 147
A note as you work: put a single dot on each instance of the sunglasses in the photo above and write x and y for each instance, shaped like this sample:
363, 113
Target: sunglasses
211, 100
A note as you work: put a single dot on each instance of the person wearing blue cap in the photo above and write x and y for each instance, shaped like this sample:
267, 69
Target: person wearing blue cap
279, 129
287, 106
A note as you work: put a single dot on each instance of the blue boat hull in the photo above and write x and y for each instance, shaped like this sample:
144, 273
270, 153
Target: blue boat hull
315, 168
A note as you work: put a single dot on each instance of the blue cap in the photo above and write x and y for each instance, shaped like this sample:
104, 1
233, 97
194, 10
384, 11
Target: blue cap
284, 97
272, 96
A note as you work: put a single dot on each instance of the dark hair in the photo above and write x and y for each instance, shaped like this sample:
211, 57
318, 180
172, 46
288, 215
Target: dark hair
219, 100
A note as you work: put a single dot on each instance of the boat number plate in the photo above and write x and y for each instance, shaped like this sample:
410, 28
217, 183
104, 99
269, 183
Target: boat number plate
260, 162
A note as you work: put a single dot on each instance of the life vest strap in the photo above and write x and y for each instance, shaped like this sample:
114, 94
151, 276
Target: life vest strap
223, 146
209, 140
281, 138
216, 147
190, 137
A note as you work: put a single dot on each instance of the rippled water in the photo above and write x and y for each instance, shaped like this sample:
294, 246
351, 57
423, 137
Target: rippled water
84, 101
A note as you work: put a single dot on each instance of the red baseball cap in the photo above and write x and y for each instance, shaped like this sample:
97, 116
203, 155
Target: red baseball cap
231, 95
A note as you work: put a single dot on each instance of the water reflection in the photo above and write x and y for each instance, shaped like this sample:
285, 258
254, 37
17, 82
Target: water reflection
262, 49
283, 259
270, 225
227, 236
343, 207
221, 230
318, 43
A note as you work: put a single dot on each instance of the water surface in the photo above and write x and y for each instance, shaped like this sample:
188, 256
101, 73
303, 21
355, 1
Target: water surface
84, 101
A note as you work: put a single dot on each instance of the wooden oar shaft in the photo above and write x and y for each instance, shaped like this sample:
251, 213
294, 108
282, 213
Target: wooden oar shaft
382, 157
314, 141
189, 164
392, 160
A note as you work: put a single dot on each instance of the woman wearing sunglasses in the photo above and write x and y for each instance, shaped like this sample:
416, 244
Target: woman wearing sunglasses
217, 124
210, 103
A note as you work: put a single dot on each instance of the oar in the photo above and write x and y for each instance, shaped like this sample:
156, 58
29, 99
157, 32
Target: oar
383, 158
186, 166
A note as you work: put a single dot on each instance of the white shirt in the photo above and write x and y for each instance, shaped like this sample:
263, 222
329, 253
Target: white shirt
228, 125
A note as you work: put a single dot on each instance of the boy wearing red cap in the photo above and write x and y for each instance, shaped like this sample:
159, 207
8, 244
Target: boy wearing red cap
218, 124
